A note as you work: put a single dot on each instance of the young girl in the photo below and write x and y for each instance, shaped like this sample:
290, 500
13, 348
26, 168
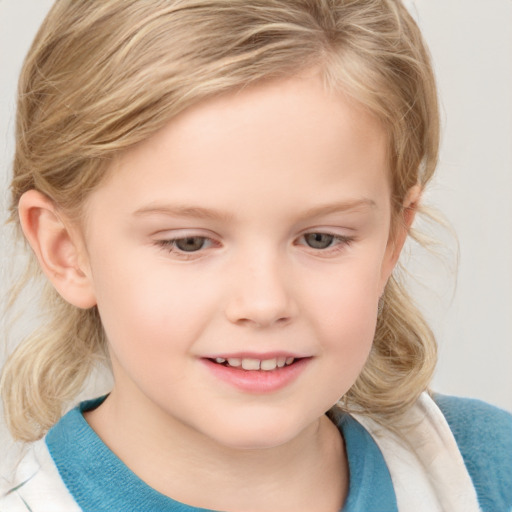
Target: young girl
217, 192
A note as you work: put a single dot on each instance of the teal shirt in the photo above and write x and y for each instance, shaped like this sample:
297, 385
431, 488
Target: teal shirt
98, 480
484, 436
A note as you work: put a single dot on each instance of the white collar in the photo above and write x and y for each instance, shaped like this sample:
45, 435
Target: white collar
424, 461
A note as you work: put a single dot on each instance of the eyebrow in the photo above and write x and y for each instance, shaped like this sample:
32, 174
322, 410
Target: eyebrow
344, 206
199, 212
196, 212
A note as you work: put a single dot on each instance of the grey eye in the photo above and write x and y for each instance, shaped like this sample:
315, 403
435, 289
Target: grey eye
190, 244
319, 240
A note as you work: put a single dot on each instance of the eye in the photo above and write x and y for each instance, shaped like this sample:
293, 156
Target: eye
325, 243
319, 240
190, 243
185, 245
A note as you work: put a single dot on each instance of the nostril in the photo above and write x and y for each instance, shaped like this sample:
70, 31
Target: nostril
263, 322
260, 307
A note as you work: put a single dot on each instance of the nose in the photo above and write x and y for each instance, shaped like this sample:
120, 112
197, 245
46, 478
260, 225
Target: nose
261, 292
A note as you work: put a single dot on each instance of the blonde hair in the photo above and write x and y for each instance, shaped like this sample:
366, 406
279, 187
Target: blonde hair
104, 75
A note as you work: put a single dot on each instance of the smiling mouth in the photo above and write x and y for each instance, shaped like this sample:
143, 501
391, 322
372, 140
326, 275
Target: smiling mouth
251, 364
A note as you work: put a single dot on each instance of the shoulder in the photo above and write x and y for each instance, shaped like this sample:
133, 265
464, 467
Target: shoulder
34, 484
484, 436
478, 427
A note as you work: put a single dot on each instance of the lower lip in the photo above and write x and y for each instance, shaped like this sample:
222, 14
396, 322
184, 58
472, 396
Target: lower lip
258, 381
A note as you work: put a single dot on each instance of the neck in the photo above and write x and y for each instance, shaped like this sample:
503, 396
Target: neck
307, 473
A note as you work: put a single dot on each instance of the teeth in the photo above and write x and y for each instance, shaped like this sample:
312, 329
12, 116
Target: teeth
268, 364
256, 364
251, 364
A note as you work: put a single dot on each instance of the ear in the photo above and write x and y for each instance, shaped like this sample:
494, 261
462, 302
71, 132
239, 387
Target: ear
399, 232
57, 247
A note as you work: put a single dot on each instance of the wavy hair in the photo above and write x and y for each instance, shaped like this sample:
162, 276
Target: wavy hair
104, 75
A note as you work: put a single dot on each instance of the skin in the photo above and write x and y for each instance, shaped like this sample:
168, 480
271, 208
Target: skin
248, 178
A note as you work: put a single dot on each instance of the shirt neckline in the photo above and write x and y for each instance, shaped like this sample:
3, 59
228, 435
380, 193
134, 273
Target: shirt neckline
98, 480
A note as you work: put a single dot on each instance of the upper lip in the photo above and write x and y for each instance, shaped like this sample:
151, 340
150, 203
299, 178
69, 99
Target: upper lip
262, 356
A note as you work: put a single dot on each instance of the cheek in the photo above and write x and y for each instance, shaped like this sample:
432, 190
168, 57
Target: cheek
343, 310
350, 343
345, 329
156, 309
148, 336
349, 332
347, 293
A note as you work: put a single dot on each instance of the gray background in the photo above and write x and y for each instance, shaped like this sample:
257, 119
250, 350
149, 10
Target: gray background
472, 52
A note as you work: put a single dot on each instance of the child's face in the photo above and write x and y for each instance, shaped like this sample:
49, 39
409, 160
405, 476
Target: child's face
254, 226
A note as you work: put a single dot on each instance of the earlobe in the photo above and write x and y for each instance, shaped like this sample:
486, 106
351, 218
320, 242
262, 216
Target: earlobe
57, 249
410, 206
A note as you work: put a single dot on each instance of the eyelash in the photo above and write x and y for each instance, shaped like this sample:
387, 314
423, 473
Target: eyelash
337, 244
170, 246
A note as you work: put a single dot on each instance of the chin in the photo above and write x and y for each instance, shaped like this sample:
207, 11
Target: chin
258, 435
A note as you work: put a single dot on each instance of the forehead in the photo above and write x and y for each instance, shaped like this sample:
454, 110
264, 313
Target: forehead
292, 135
